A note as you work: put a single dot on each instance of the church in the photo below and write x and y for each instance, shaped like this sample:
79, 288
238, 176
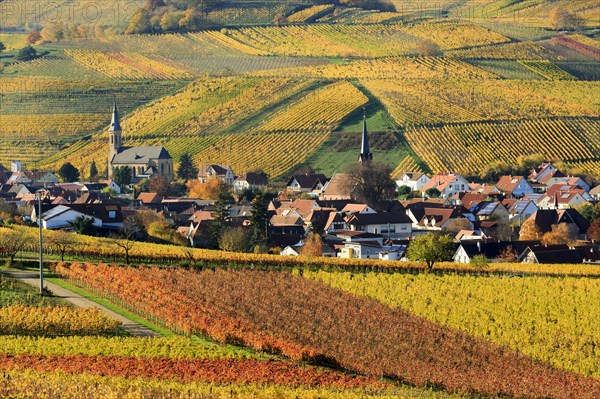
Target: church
144, 161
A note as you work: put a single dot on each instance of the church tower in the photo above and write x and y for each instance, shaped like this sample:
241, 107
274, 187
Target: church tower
365, 155
114, 137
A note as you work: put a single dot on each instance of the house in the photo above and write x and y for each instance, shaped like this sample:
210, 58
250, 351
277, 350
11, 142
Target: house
436, 218
562, 188
541, 171
42, 177
485, 189
149, 198
491, 211
250, 181
19, 178
307, 183
447, 184
595, 193
546, 218
521, 210
357, 208
60, 217
215, 171
514, 186
296, 250
414, 180
552, 254
388, 224
470, 199
336, 188
469, 235
93, 187
492, 251
561, 200
144, 161
360, 250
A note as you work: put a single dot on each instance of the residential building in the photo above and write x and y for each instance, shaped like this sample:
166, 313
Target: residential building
514, 186
215, 171
415, 180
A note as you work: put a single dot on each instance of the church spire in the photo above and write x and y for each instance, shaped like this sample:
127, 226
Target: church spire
114, 123
365, 154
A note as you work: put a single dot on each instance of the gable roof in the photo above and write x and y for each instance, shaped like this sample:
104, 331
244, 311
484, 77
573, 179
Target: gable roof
441, 181
546, 218
509, 183
336, 187
140, 155
469, 200
555, 173
220, 170
308, 181
365, 219
254, 179
148, 198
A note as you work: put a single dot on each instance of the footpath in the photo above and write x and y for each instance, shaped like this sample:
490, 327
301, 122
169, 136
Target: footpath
33, 279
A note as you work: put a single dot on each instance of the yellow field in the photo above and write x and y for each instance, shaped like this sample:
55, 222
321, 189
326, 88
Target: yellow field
469, 148
53, 126
550, 319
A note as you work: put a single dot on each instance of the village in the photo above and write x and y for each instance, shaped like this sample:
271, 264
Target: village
544, 217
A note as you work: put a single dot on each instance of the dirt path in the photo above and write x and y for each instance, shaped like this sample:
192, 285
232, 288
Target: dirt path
33, 279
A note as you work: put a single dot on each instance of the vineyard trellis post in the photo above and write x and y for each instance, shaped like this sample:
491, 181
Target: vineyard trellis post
41, 251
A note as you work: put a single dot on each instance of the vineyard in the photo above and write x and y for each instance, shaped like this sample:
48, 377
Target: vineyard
555, 322
268, 310
469, 148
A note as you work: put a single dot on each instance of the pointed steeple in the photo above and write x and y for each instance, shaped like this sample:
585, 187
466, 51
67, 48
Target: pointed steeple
365, 154
114, 123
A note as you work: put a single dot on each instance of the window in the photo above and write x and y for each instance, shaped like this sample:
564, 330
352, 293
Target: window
162, 168
111, 139
112, 214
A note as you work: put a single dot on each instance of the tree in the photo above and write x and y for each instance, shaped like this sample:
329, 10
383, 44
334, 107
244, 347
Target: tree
458, 224
234, 240
220, 220
33, 37
259, 220
313, 246
430, 248
127, 236
159, 185
68, 172
83, 225
187, 170
404, 192
560, 234
432, 193
93, 170
594, 230
62, 241
192, 20
530, 231
559, 19
110, 191
589, 211
122, 176
508, 254
10, 244
370, 183
428, 48
279, 19
140, 22
381, 5
27, 53
211, 190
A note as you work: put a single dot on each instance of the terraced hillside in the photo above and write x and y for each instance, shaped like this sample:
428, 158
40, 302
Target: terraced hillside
224, 94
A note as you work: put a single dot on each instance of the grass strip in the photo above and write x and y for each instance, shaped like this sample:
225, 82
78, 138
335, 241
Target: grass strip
111, 306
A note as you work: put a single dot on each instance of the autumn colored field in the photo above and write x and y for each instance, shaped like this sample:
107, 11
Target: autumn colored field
301, 319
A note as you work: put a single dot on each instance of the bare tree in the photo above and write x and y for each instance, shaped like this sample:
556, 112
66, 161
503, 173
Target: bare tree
62, 241
370, 183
